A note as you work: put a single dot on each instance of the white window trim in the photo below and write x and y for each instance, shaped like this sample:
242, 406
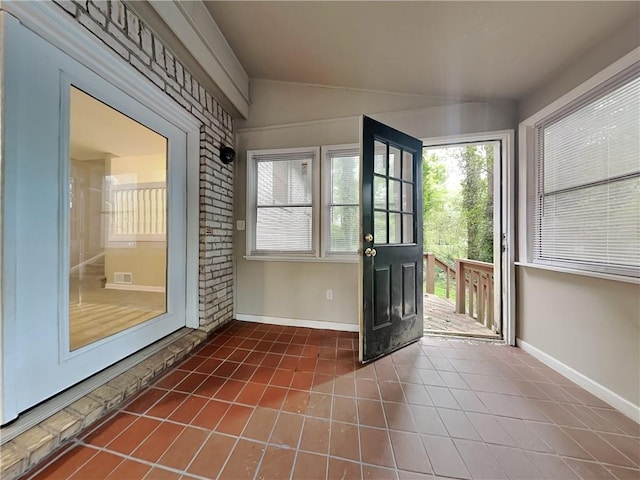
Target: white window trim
252, 192
527, 170
348, 257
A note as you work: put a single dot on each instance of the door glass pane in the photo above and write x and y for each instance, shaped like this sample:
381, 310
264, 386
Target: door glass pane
117, 221
407, 166
395, 187
407, 197
394, 162
407, 229
380, 158
380, 227
379, 192
395, 228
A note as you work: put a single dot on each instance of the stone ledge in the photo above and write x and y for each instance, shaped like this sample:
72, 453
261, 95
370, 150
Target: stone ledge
28, 449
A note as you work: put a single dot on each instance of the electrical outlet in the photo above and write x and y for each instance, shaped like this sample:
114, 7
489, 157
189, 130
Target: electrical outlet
329, 294
240, 225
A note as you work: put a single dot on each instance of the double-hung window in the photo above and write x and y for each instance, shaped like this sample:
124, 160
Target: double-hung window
587, 194
282, 193
286, 214
341, 175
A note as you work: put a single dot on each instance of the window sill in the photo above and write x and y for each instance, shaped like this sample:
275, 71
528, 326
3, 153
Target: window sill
584, 273
333, 259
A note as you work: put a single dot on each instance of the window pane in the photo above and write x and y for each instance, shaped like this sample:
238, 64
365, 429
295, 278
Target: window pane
117, 221
600, 140
407, 229
587, 213
407, 166
380, 227
394, 162
395, 187
284, 182
395, 228
407, 197
284, 229
598, 225
380, 158
379, 192
345, 180
345, 229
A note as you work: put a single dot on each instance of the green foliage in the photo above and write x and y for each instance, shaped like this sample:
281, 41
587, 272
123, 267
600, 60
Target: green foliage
444, 232
476, 163
458, 205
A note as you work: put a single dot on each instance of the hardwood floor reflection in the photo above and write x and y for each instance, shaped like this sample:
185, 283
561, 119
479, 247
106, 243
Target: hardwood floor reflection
96, 313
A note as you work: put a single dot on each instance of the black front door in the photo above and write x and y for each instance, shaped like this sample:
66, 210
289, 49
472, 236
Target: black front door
391, 254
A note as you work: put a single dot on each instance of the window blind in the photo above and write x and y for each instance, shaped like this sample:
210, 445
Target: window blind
587, 211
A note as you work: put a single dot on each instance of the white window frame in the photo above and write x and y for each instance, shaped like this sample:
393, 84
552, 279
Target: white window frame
252, 193
527, 176
327, 150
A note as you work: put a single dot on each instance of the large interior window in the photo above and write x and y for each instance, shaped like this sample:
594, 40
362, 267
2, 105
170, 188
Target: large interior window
587, 210
117, 221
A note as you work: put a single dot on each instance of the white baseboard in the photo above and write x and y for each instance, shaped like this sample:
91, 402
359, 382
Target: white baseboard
297, 322
137, 288
603, 393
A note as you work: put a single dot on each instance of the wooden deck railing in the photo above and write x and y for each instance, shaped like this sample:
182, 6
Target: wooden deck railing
449, 273
474, 290
473, 284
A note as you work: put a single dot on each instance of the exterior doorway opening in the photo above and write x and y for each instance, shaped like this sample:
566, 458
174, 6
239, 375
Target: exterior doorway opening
462, 239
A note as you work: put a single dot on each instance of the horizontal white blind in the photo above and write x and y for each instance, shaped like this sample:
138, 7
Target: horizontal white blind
344, 210
587, 213
283, 205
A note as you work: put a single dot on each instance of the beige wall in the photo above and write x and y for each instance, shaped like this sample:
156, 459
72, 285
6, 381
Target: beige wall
147, 261
591, 325
143, 169
298, 290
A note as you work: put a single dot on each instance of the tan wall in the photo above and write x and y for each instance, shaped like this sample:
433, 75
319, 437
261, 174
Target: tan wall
298, 290
590, 324
145, 169
146, 261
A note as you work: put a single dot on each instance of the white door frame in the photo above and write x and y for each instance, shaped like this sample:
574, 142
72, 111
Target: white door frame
50, 22
506, 211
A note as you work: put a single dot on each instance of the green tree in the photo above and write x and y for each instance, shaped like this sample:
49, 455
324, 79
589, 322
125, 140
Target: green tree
444, 232
476, 164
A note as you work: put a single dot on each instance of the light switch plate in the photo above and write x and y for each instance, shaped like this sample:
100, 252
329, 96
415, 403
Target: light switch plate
240, 225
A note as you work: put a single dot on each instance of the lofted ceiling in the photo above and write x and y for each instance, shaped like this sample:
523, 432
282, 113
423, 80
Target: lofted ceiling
446, 49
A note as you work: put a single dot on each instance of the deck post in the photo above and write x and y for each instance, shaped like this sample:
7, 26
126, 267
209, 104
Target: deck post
431, 272
460, 286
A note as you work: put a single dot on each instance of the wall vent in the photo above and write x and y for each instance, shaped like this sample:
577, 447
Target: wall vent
123, 277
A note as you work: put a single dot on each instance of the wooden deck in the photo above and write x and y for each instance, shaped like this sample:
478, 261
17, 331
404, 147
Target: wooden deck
440, 317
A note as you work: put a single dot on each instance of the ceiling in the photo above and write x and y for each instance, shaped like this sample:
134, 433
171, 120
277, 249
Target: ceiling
449, 49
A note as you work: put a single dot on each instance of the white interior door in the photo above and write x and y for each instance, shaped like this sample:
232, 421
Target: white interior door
97, 195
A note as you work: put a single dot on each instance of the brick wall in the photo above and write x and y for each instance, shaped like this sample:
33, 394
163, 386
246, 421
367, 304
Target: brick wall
123, 32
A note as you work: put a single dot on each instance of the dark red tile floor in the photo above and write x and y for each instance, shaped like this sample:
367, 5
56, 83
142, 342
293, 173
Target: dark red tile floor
270, 402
